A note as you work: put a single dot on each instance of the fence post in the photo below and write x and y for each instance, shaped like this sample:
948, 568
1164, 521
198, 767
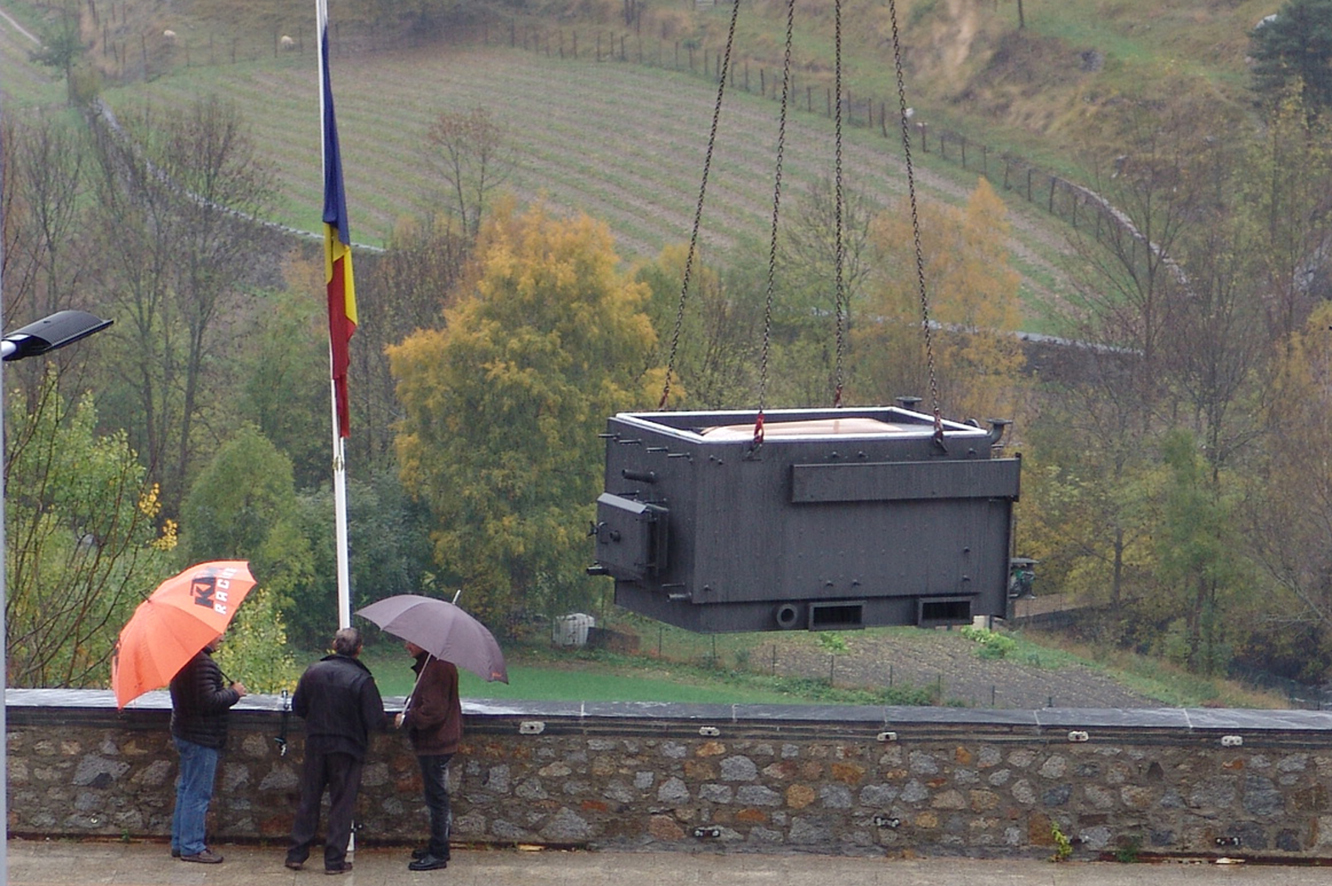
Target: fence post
1053, 183
1029, 172
924, 139
964, 152
943, 145
985, 160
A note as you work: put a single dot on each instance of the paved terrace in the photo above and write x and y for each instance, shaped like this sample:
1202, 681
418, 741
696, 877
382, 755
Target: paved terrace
65, 862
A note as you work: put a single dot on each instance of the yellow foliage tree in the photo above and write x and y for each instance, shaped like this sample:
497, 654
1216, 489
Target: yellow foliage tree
973, 297
502, 408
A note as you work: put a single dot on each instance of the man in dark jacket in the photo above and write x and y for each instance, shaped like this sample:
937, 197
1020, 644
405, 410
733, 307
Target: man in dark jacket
200, 705
340, 703
433, 720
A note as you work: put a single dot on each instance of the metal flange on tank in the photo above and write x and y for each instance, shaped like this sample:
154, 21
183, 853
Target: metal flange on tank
841, 518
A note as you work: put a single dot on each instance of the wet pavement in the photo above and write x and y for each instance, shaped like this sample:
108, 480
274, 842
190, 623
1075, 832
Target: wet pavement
60, 862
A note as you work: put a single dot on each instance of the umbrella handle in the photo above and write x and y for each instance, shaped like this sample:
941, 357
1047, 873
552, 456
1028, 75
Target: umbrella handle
408, 704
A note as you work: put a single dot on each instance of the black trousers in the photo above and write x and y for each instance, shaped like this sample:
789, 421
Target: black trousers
435, 786
341, 774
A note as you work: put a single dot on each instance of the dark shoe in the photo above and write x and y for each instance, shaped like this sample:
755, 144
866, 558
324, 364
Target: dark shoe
428, 862
205, 857
420, 853
340, 869
175, 853
293, 864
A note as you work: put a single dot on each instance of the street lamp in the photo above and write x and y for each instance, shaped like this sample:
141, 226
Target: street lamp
48, 334
56, 331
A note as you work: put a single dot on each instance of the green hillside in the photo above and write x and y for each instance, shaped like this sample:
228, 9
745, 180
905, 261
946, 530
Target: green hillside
620, 133
623, 141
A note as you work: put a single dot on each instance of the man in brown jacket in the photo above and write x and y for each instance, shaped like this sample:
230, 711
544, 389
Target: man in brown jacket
433, 720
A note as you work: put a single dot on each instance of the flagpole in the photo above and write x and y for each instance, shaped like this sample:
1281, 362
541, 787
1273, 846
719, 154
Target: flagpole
342, 308
340, 519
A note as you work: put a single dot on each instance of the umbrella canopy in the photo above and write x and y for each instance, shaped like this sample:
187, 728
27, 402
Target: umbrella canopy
443, 630
178, 619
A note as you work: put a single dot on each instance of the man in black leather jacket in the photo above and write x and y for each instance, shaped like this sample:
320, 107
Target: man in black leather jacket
340, 703
200, 704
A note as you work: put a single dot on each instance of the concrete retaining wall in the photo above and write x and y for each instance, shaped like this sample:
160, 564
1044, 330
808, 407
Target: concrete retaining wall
752, 778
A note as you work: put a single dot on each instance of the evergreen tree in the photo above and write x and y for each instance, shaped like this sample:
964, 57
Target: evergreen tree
1293, 48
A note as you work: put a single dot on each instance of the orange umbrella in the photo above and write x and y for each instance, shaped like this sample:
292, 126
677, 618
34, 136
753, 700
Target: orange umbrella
181, 617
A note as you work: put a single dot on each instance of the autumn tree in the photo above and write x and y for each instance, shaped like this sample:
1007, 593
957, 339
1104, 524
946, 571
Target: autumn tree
1198, 555
179, 195
390, 551
720, 329
243, 506
82, 548
973, 299
1098, 438
1287, 517
1288, 174
411, 281
471, 155
46, 260
502, 407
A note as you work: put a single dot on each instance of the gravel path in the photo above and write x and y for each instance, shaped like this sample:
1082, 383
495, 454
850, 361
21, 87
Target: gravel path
927, 658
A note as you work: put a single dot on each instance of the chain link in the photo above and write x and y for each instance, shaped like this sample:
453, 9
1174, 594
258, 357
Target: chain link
840, 211
776, 209
915, 224
698, 209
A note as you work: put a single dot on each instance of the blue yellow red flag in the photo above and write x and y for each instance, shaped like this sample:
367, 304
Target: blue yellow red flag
341, 284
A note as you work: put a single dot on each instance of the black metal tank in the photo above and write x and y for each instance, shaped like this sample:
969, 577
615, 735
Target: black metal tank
840, 518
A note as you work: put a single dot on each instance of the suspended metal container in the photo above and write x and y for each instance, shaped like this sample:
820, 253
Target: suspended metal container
841, 518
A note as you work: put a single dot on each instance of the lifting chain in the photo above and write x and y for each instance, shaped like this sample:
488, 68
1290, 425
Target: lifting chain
840, 303
915, 227
776, 206
698, 210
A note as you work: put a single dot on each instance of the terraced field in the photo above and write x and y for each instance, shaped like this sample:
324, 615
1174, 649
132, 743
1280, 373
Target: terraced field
621, 142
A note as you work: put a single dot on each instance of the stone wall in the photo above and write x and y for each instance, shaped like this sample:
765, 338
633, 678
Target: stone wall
749, 778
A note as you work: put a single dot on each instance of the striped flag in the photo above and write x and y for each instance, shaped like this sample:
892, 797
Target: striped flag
337, 240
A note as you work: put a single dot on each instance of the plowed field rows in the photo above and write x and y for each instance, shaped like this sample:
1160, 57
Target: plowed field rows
622, 142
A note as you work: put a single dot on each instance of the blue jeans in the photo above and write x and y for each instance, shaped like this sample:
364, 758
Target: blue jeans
194, 790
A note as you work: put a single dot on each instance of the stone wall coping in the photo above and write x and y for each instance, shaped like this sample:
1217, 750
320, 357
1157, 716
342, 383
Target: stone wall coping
27, 704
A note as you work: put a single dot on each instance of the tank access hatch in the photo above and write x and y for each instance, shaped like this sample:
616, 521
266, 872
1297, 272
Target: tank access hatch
841, 518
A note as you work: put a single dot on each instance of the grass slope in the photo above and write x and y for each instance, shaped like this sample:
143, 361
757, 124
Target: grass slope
622, 142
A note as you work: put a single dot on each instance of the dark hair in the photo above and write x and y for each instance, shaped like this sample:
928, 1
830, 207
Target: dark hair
347, 641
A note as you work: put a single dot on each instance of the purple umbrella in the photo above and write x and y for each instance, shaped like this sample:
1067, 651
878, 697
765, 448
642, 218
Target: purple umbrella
443, 630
